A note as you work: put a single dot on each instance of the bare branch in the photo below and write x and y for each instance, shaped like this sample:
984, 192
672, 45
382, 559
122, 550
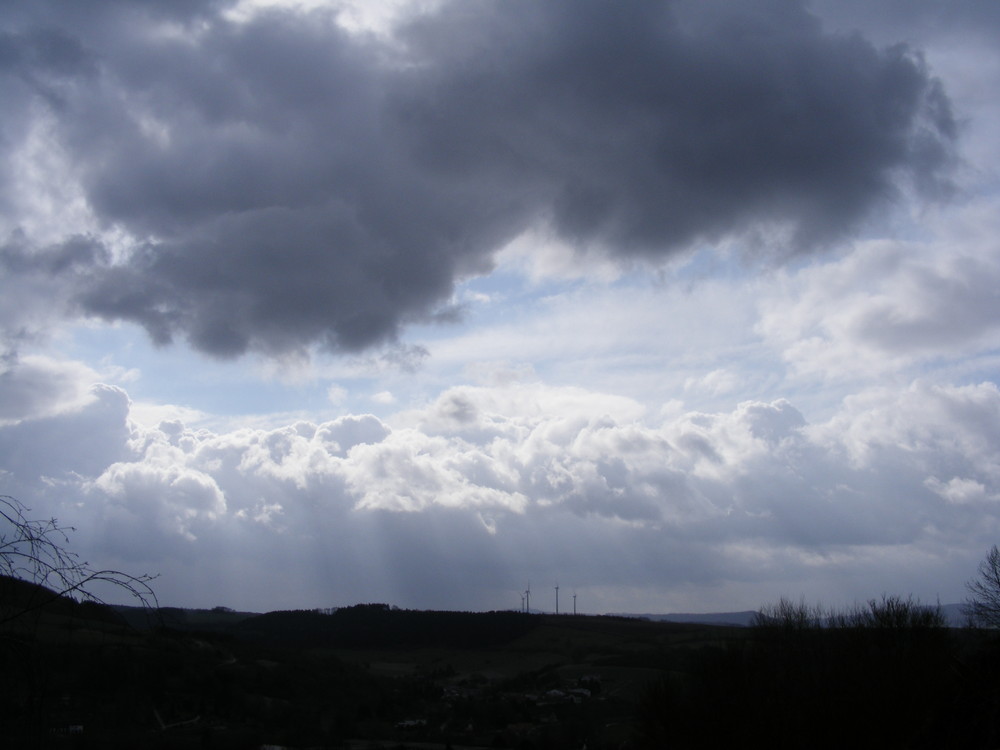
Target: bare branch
36, 551
983, 606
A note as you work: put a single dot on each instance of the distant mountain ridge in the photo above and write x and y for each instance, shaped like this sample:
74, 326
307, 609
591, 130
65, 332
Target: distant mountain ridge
223, 618
954, 616
742, 619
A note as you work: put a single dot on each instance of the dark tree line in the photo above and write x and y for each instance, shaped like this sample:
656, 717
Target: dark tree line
888, 673
382, 626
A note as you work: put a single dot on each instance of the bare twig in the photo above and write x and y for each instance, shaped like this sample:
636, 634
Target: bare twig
983, 607
36, 551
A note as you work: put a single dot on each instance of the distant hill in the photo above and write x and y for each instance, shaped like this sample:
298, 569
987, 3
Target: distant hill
179, 618
705, 618
27, 605
17, 595
953, 615
358, 626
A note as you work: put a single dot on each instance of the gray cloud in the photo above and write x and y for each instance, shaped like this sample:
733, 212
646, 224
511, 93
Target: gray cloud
656, 124
285, 183
35, 386
65, 447
893, 305
39, 285
914, 18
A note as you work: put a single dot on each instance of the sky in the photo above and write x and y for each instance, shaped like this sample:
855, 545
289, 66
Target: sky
680, 306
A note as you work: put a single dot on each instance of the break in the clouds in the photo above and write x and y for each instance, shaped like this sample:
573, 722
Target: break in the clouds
272, 181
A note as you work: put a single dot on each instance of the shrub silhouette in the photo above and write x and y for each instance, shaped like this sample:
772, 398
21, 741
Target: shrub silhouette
805, 677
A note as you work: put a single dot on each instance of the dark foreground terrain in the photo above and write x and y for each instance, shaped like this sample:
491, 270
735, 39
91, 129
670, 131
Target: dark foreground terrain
85, 676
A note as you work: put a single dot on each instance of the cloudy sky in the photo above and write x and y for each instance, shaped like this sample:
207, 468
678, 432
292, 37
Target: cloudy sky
683, 306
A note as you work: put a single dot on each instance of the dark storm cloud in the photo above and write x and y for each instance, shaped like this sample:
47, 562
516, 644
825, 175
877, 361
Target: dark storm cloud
653, 124
38, 286
289, 183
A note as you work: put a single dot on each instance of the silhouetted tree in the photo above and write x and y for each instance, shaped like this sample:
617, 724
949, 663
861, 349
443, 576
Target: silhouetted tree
42, 582
35, 552
787, 615
983, 606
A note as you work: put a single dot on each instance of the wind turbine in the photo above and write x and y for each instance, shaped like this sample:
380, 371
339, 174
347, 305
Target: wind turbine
557, 598
527, 599
574, 602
